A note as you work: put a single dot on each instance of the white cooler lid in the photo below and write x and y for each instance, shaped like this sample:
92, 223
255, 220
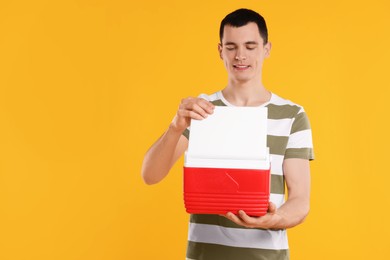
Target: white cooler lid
231, 136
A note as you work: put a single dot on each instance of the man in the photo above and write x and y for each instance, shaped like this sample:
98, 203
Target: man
243, 47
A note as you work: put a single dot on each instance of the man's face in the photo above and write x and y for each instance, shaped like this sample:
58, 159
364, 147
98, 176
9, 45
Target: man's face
243, 52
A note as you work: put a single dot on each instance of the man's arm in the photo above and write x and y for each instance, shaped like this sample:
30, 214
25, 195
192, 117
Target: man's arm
160, 158
294, 210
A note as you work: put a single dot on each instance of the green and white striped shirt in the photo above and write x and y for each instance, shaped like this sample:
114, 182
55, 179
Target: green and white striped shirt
213, 237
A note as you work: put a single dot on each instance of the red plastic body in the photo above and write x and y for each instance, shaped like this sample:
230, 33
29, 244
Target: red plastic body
218, 191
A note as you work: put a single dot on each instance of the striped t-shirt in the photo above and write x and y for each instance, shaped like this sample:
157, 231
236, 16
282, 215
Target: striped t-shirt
214, 237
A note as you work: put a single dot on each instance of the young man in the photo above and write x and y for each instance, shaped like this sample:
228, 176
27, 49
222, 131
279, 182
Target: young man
244, 46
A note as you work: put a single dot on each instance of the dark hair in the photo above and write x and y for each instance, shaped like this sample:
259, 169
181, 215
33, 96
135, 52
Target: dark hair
242, 17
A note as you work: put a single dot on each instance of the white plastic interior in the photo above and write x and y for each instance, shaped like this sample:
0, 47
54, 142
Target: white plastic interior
232, 137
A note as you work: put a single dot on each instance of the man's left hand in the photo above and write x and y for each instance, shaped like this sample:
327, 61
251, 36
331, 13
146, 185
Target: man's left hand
266, 222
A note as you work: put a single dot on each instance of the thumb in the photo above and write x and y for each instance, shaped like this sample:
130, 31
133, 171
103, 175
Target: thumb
271, 207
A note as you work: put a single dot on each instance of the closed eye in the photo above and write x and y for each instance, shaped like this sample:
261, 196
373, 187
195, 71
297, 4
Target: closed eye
251, 47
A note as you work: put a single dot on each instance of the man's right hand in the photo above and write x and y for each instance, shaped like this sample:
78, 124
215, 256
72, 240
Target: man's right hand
160, 158
191, 108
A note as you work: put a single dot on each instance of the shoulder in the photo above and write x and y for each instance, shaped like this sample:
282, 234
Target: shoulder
279, 108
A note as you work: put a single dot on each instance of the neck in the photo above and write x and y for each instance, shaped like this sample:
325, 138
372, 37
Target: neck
246, 93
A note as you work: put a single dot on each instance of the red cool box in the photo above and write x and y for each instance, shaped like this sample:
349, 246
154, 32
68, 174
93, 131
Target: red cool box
227, 164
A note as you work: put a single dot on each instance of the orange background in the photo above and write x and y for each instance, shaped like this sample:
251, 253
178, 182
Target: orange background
87, 86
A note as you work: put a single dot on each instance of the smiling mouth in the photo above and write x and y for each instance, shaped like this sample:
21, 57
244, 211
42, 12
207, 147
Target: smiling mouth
241, 67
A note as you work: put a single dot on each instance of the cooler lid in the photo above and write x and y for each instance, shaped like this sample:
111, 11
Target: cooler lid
230, 134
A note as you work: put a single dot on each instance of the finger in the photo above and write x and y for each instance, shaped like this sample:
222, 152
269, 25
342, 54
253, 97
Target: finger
192, 106
186, 100
234, 218
271, 207
190, 114
197, 107
206, 105
189, 102
250, 221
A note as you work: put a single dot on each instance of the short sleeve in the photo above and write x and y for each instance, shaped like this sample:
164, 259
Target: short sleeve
300, 143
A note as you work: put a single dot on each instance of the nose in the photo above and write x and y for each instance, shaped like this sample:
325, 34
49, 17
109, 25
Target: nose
240, 55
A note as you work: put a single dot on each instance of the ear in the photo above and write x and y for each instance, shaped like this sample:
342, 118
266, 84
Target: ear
267, 49
220, 50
